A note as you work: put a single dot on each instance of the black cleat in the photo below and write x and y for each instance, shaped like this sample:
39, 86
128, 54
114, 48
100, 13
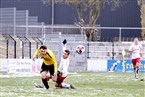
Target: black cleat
72, 87
142, 79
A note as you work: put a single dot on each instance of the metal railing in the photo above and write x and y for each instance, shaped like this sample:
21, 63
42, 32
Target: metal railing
111, 50
20, 23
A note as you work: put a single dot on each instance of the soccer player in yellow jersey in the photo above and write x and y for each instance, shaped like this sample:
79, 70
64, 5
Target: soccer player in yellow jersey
49, 64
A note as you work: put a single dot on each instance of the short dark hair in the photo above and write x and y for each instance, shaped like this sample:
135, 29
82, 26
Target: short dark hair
43, 47
67, 51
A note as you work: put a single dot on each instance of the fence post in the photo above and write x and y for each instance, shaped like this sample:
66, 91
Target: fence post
44, 33
29, 49
113, 50
15, 49
29, 46
42, 29
86, 53
22, 50
15, 52
7, 53
37, 45
27, 14
120, 34
14, 21
40, 41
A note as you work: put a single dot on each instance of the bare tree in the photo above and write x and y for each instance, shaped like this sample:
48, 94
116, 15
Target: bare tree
93, 7
141, 3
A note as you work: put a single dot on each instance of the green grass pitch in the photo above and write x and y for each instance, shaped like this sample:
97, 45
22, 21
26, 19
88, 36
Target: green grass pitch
87, 84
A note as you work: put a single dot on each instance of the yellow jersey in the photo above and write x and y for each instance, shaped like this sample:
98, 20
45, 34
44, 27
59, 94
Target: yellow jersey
48, 58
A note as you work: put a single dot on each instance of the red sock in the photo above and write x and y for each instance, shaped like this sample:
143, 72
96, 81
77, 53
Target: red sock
47, 78
60, 85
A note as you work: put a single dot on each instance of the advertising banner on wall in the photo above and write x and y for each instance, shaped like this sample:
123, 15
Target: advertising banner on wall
3, 65
23, 66
12, 63
20, 66
118, 65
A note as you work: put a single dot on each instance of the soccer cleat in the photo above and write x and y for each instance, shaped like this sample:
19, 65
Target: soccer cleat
136, 77
47, 89
38, 85
142, 79
136, 74
72, 87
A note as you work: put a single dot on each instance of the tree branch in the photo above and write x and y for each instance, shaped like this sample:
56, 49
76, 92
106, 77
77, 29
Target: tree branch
80, 14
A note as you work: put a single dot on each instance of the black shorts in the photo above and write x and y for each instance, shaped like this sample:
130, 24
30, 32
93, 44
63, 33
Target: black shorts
47, 68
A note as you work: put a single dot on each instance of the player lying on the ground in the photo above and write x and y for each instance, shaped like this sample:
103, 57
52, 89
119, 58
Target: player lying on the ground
135, 49
62, 71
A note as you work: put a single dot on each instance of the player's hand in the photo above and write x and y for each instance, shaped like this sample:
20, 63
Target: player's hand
64, 41
54, 77
33, 58
55, 74
59, 73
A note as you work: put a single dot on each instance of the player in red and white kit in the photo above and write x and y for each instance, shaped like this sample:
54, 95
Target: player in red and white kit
63, 71
135, 49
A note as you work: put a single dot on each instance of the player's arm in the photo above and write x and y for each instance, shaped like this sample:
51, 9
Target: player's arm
35, 55
130, 49
54, 77
141, 50
55, 67
54, 61
64, 44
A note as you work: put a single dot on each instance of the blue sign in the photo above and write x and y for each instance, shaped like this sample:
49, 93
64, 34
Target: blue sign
114, 65
117, 66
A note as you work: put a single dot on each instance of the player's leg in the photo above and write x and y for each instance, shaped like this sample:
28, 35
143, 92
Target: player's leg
44, 72
138, 62
53, 76
135, 63
134, 66
45, 75
44, 79
60, 84
41, 85
137, 66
